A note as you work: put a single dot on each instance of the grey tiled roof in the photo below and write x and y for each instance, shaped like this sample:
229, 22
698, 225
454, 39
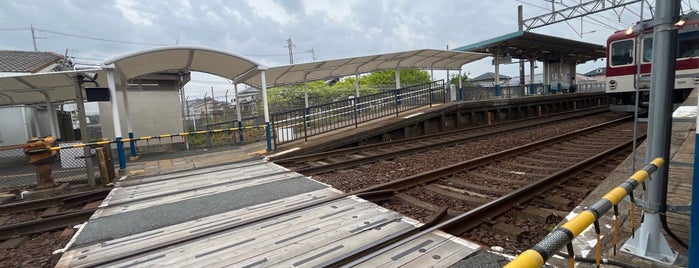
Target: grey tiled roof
488, 77
26, 61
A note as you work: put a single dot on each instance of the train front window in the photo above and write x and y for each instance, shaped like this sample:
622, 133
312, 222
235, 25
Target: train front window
647, 49
622, 53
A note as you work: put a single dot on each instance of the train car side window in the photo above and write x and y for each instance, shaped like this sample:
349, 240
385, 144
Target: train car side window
647, 49
622, 53
688, 44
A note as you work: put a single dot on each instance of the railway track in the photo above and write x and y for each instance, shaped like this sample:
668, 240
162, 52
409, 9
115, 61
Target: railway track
41, 215
350, 157
511, 194
484, 207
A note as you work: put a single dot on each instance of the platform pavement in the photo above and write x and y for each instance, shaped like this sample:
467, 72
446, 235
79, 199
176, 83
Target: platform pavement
161, 163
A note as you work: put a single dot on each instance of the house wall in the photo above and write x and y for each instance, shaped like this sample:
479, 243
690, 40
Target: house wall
16, 125
153, 112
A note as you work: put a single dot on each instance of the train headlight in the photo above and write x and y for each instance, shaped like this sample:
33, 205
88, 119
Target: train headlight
612, 84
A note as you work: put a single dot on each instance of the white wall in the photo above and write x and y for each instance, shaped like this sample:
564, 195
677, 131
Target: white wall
153, 112
16, 127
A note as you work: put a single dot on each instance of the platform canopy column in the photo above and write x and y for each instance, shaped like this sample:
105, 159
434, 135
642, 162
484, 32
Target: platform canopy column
397, 78
129, 124
547, 76
116, 120
263, 84
37, 129
356, 85
532, 66
307, 111
497, 73
53, 119
238, 113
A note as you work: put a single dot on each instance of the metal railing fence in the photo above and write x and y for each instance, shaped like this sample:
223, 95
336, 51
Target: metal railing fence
537, 255
305, 122
70, 161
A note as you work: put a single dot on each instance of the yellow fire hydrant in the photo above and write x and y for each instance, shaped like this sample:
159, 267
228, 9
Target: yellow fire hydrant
39, 153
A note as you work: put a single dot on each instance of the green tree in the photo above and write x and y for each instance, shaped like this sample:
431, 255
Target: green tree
319, 92
454, 79
388, 77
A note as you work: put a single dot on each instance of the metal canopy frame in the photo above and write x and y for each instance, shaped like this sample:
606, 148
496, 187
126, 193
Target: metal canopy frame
32, 89
528, 45
431, 59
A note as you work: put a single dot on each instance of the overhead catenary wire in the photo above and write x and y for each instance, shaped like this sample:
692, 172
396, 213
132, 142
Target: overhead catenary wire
99, 39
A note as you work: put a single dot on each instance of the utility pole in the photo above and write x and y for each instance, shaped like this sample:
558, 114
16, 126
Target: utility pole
648, 242
520, 27
290, 45
213, 104
206, 110
33, 36
313, 54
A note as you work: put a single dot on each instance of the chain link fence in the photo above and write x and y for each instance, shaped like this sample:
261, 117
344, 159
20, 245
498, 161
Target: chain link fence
69, 165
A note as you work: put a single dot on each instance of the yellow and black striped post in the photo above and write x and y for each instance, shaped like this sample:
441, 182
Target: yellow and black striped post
539, 253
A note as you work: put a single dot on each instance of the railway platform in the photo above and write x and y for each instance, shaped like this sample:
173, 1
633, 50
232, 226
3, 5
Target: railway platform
225, 206
679, 195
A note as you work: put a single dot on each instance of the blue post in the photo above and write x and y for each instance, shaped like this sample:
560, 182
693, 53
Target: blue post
559, 89
308, 118
461, 94
398, 96
132, 144
694, 220
240, 130
532, 89
269, 136
120, 152
497, 90
359, 105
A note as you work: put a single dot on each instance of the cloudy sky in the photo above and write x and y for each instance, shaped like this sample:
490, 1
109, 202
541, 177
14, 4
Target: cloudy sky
92, 31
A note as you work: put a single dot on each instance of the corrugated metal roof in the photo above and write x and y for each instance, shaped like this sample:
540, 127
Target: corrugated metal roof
524, 45
26, 61
321, 70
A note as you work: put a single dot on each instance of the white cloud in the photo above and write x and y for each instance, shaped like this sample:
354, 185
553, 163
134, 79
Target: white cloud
133, 15
259, 28
269, 9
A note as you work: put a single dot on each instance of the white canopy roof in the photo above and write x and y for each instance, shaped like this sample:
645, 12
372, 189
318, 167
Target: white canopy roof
60, 86
416, 59
35, 88
185, 58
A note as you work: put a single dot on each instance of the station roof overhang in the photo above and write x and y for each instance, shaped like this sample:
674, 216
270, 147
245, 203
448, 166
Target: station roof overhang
183, 59
60, 86
27, 89
39, 88
430, 59
528, 45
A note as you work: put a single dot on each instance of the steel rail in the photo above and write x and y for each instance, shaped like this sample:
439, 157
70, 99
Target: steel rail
412, 150
47, 224
67, 200
377, 191
470, 219
435, 174
341, 152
